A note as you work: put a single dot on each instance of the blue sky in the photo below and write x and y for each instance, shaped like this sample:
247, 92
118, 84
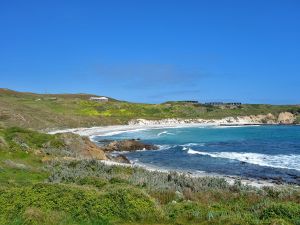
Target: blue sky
154, 50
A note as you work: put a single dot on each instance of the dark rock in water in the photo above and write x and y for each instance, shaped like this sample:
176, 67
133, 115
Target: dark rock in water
263, 178
120, 159
128, 145
278, 180
105, 141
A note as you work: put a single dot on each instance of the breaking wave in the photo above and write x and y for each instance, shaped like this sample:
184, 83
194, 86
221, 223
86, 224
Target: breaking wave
277, 161
165, 133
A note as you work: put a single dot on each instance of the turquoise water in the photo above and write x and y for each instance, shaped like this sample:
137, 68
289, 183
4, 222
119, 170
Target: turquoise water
261, 152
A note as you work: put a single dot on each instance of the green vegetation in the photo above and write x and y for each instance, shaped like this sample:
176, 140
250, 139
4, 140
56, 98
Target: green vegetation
64, 111
59, 191
19, 162
81, 204
90, 192
42, 181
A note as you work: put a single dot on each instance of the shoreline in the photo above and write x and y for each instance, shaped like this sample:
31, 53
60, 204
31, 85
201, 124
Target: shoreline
132, 127
142, 124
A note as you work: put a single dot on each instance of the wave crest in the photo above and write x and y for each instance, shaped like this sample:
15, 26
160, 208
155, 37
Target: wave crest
165, 133
278, 161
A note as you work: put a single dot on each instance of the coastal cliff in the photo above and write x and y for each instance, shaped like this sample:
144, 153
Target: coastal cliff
282, 118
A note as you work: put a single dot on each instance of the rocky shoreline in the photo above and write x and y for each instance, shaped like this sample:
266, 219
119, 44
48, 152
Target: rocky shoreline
112, 146
111, 152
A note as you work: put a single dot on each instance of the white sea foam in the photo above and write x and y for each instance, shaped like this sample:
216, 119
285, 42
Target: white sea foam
163, 147
233, 126
165, 133
120, 132
291, 161
186, 146
192, 144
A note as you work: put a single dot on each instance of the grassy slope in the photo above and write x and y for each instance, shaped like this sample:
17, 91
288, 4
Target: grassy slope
89, 192
40, 111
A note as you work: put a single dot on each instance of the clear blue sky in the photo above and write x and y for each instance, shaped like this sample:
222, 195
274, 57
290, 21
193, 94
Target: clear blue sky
154, 50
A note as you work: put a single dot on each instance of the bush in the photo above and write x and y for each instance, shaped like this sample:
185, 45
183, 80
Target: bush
128, 204
32, 139
81, 204
289, 211
186, 211
93, 181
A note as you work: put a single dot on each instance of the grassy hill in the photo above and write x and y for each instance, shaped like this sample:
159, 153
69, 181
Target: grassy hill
41, 111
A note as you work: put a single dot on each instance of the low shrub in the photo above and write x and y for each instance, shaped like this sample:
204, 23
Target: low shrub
93, 181
80, 204
289, 211
164, 196
186, 211
23, 138
152, 180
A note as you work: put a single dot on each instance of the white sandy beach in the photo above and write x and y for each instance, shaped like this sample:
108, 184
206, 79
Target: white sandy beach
142, 124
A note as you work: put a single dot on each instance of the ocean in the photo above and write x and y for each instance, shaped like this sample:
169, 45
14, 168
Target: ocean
260, 152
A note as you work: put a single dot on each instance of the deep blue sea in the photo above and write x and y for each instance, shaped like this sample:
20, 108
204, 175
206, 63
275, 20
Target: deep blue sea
260, 152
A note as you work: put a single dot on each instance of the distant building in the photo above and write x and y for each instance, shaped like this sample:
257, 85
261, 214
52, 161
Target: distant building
189, 101
214, 103
223, 103
234, 103
99, 99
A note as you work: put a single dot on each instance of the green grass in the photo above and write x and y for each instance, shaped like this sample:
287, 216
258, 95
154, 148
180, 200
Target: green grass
28, 138
21, 156
39, 112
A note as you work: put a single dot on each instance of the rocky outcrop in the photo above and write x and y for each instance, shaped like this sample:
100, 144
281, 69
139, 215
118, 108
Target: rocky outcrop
75, 146
110, 146
286, 118
119, 159
81, 147
91, 150
257, 119
128, 145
